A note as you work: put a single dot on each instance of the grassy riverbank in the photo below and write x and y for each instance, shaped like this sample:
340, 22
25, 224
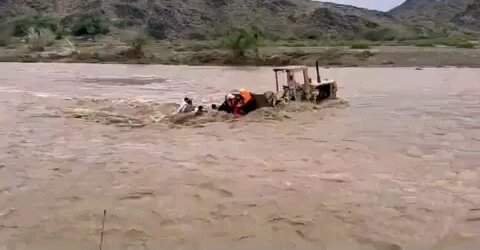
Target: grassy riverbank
93, 39
109, 50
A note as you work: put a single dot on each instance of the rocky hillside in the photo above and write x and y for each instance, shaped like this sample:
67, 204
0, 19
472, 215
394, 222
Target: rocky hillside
470, 18
438, 13
184, 18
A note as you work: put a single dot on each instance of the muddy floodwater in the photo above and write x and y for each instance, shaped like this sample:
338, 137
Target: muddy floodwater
398, 167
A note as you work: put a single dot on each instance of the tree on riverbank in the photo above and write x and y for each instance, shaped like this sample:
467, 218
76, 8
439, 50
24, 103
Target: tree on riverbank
240, 40
5, 35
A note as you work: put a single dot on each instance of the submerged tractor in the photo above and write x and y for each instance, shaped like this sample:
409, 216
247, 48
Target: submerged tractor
307, 90
294, 91
298, 91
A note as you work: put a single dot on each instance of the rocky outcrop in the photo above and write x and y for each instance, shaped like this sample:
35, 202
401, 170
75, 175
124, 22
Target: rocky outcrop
331, 21
436, 14
430, 10
180, 19
470, 18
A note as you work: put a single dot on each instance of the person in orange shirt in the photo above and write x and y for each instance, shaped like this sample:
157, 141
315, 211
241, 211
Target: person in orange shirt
238, 104
232, 104
249, 103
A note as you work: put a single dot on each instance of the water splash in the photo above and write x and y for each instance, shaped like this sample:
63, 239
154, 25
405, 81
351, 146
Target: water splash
134, 113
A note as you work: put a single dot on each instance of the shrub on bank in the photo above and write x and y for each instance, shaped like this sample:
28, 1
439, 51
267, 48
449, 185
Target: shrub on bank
5, 34
240, 40
156, 28
22, 25
360, 45
90, 24
136, 41
381, 34
197, 36
453, 39
331, 54
466, 45
364, 55
448, 41
39, 39
457, 37
425, 43
309, 35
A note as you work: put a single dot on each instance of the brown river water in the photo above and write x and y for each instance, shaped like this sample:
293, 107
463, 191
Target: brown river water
396, 168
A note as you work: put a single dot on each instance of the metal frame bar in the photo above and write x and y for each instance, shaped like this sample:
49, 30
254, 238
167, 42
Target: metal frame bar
276, 79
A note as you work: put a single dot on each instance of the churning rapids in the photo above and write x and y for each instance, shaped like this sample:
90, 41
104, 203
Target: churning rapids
398, 167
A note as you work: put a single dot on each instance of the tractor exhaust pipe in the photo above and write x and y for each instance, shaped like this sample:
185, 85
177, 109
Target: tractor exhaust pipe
318, 72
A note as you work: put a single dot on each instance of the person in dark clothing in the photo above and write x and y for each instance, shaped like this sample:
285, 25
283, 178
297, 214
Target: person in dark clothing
248, 103
243, 103
249, 106
231, 104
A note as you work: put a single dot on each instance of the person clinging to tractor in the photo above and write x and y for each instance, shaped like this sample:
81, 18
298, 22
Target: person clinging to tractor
291, 83
186, 106
248, 103
292, 88
238, 104
231, 104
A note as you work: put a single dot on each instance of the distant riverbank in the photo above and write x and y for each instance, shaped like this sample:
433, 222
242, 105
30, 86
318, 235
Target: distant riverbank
203, 53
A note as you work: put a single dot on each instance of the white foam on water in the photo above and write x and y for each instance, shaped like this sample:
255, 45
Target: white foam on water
33, 93
156, 86
145, 76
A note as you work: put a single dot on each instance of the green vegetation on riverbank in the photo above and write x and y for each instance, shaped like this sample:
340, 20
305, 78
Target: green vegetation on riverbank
91, 37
